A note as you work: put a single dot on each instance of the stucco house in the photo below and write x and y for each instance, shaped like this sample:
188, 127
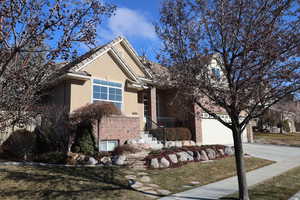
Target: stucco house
114, 72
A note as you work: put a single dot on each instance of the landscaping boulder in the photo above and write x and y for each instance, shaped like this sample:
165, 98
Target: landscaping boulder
170, 144
211, 154
81, 158
131, 141
190, 155
173, 158
188, 143
154, 163
221, 152
106, 160
164, 163
198, 156
92, 161
120, 160
204, 156
178, 144
199, 144
229, 151
182, 156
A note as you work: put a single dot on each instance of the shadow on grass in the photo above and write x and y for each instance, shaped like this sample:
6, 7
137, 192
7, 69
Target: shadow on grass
64, 182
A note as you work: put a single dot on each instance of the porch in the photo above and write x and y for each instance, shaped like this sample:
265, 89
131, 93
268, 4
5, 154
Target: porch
162, 108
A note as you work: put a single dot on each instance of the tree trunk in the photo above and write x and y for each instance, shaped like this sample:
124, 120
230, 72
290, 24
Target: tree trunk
98, 135
240, 164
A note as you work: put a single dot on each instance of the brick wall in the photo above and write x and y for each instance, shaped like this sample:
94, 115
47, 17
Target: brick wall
119, 128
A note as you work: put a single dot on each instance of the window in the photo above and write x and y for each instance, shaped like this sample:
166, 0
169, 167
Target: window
107, 91
108, 145
216, 72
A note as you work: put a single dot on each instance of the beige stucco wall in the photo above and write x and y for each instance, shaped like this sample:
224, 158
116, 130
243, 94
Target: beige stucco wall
80, 94
106, 68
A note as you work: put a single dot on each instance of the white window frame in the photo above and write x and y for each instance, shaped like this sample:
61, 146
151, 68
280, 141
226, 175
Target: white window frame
106, 150
108, 86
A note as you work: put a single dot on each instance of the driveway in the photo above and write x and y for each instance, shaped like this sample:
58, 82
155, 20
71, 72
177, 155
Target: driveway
272, 152
286, 158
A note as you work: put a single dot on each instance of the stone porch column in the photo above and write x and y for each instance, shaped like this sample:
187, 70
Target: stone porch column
153, 106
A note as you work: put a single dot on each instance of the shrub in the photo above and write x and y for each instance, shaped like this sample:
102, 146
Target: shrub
84, 139
172, 134
55, 131
49, 140
52, 158
94, 111
286, 126
122, 149
20, 145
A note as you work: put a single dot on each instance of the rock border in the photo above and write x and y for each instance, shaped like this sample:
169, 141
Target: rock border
178, 158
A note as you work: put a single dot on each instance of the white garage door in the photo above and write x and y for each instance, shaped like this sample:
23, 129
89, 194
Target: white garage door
213, 132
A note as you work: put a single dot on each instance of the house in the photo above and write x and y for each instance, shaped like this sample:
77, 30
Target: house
115, 73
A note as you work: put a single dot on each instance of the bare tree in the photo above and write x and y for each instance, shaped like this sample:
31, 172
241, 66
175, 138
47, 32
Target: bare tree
238, 55
34, 34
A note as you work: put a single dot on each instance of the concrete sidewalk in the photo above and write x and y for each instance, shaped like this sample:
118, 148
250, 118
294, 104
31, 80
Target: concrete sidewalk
286, 158
296, 196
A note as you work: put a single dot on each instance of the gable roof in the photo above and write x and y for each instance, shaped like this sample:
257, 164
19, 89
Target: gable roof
82, 61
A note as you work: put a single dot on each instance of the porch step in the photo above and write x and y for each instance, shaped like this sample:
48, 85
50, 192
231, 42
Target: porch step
152, 141
137, 160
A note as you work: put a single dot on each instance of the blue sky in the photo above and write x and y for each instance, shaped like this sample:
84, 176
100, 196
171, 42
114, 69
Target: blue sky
134, 20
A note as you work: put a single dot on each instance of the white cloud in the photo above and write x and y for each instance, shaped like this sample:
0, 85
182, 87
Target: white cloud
129, 23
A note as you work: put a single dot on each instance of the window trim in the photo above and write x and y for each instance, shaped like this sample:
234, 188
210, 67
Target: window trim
108, 140
108, 86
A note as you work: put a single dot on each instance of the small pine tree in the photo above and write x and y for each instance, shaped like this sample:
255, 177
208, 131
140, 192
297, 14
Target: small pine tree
84, 141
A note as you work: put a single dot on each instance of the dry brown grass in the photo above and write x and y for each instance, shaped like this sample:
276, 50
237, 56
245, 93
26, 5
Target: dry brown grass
173, 179
279, 139
65, 183
107, 182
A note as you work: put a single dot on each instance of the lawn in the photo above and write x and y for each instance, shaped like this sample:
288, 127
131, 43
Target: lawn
175, 179
281, 187
276, 138
64, 183
106, 182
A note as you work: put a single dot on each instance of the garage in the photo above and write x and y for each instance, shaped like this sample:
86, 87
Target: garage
213, 132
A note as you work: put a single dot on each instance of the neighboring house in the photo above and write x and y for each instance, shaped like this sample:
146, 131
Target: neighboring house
115, 73
271, 121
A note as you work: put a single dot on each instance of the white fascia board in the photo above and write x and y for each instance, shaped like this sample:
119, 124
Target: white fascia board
135, 56
123, 64
76, 76
99, 55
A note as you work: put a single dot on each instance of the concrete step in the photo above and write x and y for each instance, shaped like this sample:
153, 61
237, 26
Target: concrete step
149, 139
